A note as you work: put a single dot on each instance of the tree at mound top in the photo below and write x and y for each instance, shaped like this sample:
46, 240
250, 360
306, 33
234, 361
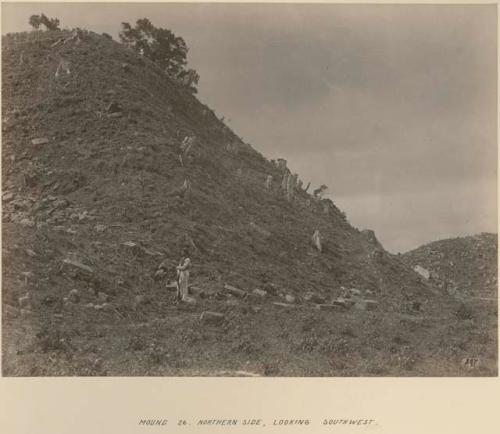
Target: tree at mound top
50, 23
163, 48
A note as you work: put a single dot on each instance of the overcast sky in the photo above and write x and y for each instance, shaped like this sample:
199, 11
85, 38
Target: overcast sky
392, 106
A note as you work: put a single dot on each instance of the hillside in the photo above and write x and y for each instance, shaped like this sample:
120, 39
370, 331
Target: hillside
466, 266
109, 168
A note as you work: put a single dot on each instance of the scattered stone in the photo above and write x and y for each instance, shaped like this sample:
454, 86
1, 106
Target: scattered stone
25, 312
186, 189
260, 230
212, 317
97, 364
125, 67
416, 306
232, 302
289, 298
134, 247
74, 296
151, 252
189, 300
24, 301
20, 204
376, 254
40, 141
281, 163
102, 297
159, 274
232, 147
316, 240
9, 310
27, 222
370, 236
366, 304
269, 182
313, 298
77, 37
355, 292
63, 66
58, 42
284, 181
291, 185
270, 288
259, 292
235, 291
104, 307
334, 307
100, 228
187, 144
165, 265
129, 244
60, 203
198, 291
41, 225
7, 197
49, 300
171, 285
255, 309
27, 275
113, 107
343, 303
277, 303
422, 271
78, 265
31, 253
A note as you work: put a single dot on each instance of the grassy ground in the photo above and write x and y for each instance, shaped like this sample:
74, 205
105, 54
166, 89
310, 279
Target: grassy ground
254, 337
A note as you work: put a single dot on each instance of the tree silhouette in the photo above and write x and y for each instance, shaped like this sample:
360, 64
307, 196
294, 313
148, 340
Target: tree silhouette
163, 48
50, 23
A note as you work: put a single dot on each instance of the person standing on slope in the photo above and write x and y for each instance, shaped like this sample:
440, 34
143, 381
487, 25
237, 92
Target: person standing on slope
183, 275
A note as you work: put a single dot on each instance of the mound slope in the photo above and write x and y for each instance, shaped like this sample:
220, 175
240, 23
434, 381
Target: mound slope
466, 265
109, 168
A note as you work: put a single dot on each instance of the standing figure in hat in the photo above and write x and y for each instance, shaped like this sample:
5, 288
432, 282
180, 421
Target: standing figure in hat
183, 275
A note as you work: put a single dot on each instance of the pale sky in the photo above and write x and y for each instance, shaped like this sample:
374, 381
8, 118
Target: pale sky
392, 106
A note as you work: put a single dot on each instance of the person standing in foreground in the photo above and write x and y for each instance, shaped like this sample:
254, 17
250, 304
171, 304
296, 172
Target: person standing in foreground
183, 275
